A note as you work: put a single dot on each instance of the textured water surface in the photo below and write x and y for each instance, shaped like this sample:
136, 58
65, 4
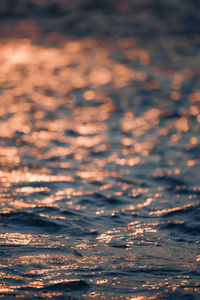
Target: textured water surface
99, 150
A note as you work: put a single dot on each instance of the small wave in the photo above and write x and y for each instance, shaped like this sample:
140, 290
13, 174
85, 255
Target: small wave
194, 211
28, 220
103, 199
183, 227
68, 286
170, 180
185, 219
179, 294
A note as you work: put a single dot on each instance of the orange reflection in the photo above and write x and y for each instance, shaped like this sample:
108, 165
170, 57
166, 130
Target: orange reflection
182, 124
175, 96
177, 80
45, 121
160, 212
89, 95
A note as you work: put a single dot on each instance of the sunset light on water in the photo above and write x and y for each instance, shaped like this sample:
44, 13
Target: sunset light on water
99, 150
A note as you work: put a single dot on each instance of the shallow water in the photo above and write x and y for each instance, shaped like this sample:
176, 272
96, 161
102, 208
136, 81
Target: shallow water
99, 155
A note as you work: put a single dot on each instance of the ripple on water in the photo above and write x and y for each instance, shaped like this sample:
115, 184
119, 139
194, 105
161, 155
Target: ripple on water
99, 150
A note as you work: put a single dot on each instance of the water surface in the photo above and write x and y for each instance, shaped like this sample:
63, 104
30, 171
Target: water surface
99, 152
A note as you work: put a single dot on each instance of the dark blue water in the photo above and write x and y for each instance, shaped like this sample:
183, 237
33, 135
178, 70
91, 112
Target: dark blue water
99, 150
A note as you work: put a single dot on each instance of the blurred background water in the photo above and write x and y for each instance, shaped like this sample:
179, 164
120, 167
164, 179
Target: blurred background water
99, 149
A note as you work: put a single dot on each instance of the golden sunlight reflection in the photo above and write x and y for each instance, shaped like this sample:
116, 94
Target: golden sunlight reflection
99, 158
15, 238
160, 212
20, 57
133, 229
16, 176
